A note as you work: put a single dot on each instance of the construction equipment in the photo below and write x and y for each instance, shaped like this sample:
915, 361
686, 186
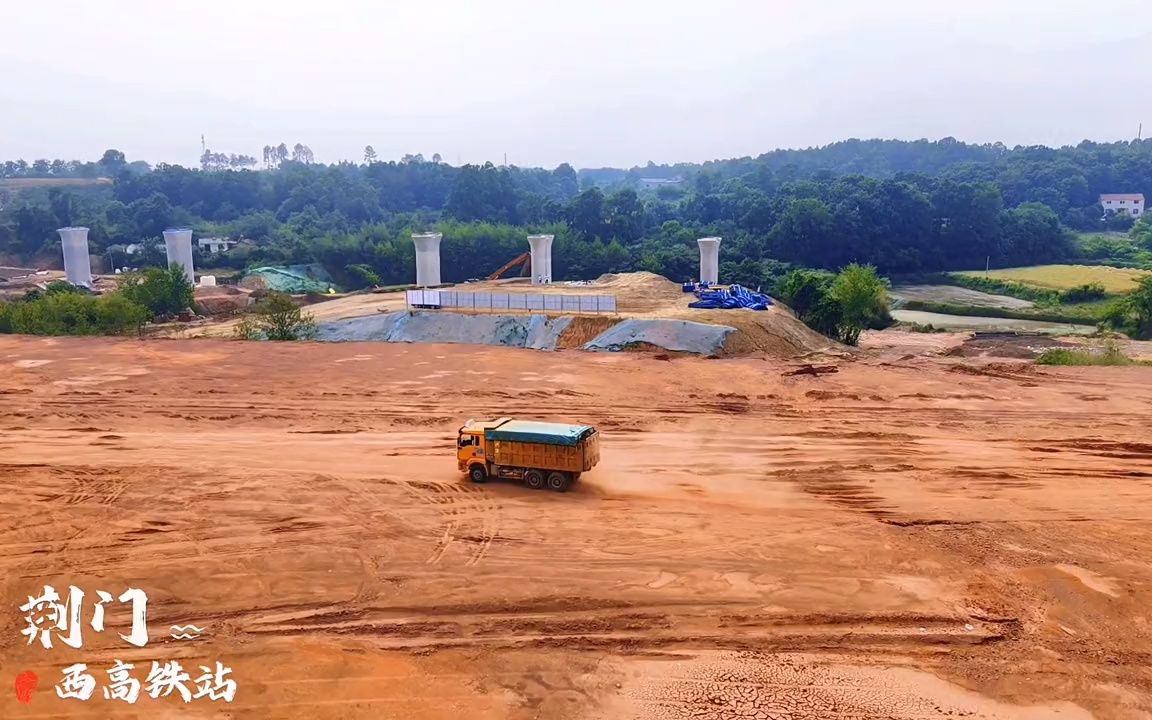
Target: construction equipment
524, 259
551, 455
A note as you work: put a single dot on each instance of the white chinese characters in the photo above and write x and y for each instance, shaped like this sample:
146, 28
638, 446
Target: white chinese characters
48, 613
49, 617
163, 680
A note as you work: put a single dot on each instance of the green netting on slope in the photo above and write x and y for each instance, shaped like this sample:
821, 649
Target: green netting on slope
293, 279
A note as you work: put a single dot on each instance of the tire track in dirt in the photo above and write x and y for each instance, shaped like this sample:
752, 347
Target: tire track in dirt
638, 626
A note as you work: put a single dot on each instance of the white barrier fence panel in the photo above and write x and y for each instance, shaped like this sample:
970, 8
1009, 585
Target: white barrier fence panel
511, 301
417, 298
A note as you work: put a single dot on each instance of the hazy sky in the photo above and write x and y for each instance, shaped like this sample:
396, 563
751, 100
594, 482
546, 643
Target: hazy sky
591, 82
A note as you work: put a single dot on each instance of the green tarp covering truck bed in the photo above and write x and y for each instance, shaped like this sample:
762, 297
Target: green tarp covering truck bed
539, 432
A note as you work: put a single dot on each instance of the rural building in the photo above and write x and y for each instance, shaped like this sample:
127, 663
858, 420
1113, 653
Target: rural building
1131, 203
215, 245
653, 183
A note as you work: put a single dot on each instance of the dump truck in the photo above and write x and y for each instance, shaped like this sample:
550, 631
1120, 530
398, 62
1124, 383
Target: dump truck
542, 454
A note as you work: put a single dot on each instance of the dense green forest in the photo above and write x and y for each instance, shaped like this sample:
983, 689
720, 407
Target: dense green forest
904, 207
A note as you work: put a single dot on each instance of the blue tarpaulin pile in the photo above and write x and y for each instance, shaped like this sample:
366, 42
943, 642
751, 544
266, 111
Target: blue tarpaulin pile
734, 297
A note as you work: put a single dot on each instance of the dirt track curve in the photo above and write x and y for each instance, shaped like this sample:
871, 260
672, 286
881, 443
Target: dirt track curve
919, 539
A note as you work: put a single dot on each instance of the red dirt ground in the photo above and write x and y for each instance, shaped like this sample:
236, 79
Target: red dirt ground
908, 538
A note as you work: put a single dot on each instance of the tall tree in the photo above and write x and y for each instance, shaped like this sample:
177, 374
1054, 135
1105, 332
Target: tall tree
586, 214
112, 162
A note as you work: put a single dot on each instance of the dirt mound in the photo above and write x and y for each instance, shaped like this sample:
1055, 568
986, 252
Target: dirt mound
640, 296
641, 291
222, 299
775, 331
584, 329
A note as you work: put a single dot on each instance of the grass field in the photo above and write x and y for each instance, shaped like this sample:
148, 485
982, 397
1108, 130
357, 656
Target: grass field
1062, 277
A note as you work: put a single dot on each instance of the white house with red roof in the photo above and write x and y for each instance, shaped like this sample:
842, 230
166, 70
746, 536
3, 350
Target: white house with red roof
1131, 203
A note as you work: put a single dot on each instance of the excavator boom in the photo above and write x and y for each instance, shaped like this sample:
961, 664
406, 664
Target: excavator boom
518, 260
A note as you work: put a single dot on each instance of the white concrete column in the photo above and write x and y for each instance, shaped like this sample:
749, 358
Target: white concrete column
548, 260
541, 258
77, 261
709, 259
427, 258
178, 243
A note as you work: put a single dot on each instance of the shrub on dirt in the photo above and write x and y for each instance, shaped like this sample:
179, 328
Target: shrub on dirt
276, 317
164, 293
863, 299
67, 313
839, 306
1109, 354
361, 276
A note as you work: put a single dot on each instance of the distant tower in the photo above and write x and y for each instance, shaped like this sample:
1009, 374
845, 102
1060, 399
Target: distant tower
541, 258
427, 258
77, 262
709, 260
178, 243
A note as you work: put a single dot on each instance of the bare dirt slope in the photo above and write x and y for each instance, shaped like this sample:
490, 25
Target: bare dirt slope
899, 540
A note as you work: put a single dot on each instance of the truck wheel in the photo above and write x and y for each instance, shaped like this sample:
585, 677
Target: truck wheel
478, 474
558, 481
534, 479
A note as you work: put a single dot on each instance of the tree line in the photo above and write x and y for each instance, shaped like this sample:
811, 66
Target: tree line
900, 207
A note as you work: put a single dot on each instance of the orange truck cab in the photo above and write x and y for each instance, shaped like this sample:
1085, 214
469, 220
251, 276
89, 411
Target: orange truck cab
551, 455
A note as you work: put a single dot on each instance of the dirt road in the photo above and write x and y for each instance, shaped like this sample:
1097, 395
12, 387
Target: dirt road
898, 541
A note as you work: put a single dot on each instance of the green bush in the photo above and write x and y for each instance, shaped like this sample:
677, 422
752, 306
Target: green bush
57, 287
1084, 293
361, 276
1110, 354
802, 290
276, 318
1141, 233
863, 299
839, 306
1132, 313
163, 292
73, 314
